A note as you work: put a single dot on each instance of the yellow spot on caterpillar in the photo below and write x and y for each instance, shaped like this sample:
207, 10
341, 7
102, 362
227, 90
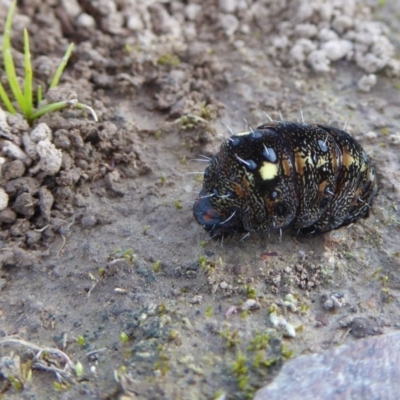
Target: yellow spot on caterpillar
287, 167
347, 158
363, 167
242, 134
321, 162
300, 163
268, 170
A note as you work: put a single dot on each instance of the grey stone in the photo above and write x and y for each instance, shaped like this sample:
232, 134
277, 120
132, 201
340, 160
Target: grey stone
363, 369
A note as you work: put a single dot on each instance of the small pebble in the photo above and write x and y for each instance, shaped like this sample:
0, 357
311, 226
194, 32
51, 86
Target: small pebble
250, 305
88, 221
196, 299
337, 49
367, 82
395, 139
12, 170
334, 301
371, 135
223, 285
7, 216
32, 237
227, 6
85, 21
41, 132
3, 199
279, 321
25, 205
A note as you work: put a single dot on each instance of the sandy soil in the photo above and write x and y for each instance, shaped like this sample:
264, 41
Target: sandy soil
104, 261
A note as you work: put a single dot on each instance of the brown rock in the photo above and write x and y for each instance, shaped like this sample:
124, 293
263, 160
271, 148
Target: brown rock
46, 200
32, 237
13, 169
25, 205
20, 185
20, 227
7, 216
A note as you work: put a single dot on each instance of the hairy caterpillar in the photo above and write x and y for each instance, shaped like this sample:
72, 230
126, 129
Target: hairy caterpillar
310, 177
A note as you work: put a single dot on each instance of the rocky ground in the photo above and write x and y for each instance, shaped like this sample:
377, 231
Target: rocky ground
109, 288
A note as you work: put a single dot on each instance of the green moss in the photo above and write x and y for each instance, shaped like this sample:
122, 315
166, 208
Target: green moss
126, 254
79, 369
231, 338
123, 337
260, 360
269, 362
187, 122
349, 255
384, 279
177, 204
304, 308
157, 135
287, 353
240, 371
259, 342
273, 308
162, 364
16, 384
209, 312
174, 336
162, 309
81, 340
386, 296
171, 60
206, 111
156, 266
385, 131
251, 292
128, 48
60, 387
202, 261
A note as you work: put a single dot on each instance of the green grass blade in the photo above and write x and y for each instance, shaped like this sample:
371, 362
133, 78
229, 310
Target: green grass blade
39, 94
59, 106
52, 107
4, 97
9, 62
61, 67
28, 90
88, 108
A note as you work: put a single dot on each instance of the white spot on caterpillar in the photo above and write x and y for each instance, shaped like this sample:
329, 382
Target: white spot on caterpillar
268, 171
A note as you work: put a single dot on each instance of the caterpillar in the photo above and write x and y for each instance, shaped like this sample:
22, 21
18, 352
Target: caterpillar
284, 175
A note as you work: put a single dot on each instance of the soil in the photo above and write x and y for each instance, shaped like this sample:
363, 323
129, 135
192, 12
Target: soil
103, 260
